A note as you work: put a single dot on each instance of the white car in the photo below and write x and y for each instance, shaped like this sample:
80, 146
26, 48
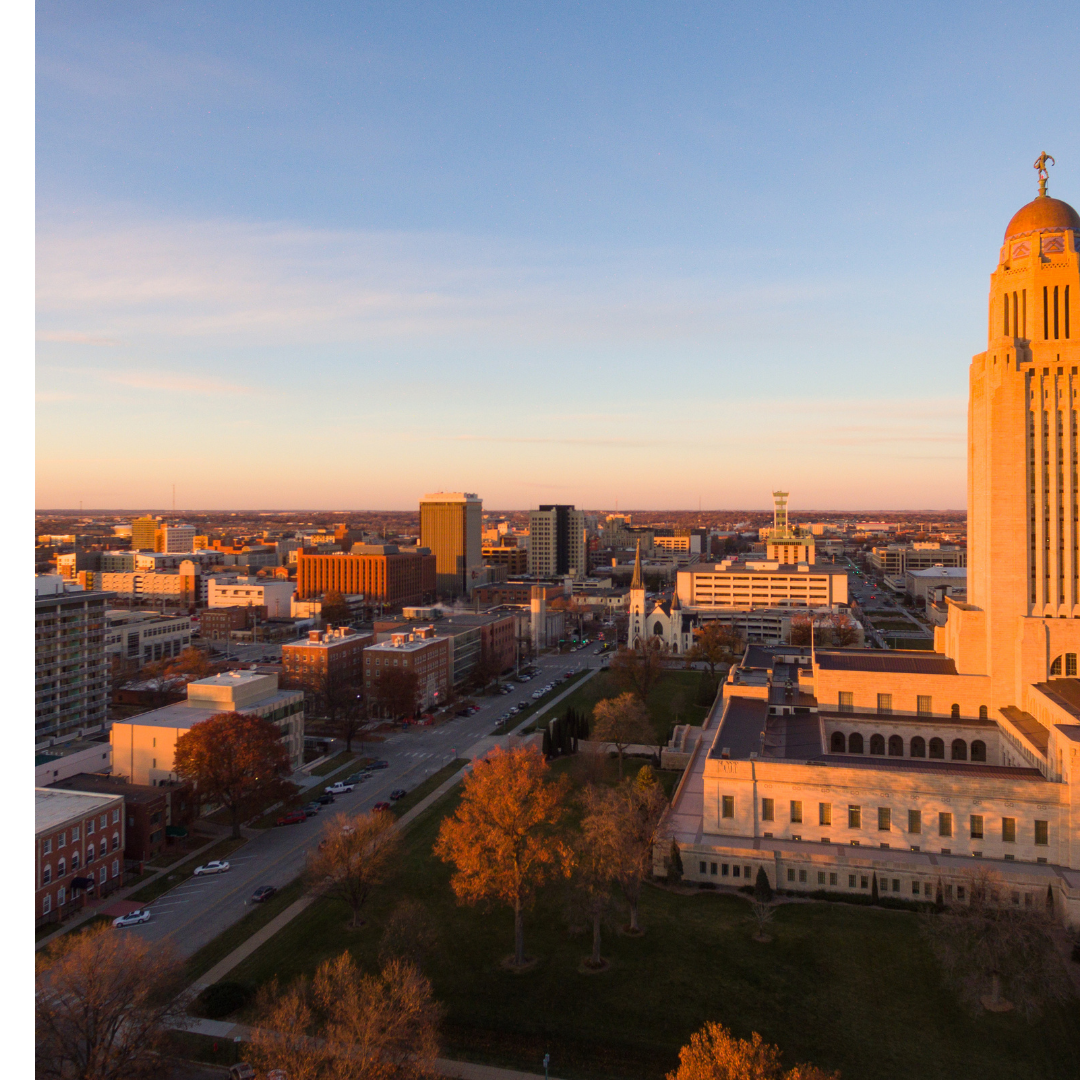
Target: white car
339, 788
133, 918
217, 866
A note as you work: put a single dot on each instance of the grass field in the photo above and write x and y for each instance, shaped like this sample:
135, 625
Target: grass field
672, 701
423, 790
847, 988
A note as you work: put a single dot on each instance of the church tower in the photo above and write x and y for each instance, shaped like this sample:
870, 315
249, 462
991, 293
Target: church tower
636, 629
1022, 613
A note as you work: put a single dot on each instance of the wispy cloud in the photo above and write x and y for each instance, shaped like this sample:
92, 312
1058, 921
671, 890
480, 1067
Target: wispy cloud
179, 384
556, 440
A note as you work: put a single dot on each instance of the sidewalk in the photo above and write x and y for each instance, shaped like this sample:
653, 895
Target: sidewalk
461, 1070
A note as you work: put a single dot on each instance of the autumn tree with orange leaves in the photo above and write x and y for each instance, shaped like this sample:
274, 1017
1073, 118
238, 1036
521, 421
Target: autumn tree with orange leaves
236, 760
504, 838
713, 1053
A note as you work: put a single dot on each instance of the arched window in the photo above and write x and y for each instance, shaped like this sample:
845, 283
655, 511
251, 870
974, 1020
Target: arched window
74, 861
978, 750
959, 750
61, 868
896, 746
855, 744
658, 629
937, 748
115, 841
955, 712
877, 744
836, 743
918, 746
89, 854
984, 713
1055, 667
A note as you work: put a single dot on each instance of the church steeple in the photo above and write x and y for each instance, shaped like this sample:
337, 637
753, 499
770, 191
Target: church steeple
635, 581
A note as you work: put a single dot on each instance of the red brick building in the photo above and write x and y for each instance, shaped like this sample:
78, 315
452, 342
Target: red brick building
216, 623
429, 655
337, 653
79, 849
382, 573
150, 813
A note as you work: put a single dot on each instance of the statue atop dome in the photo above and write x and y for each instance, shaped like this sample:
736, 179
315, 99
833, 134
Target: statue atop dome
1040, 167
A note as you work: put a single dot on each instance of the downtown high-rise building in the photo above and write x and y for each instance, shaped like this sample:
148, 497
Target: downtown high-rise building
557, 541
451, 524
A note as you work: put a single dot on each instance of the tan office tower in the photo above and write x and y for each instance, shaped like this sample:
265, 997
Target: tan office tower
450, 525
144, 533
1022, 614
557, 541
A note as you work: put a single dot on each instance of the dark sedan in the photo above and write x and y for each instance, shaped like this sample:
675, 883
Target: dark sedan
262, 893
398, 793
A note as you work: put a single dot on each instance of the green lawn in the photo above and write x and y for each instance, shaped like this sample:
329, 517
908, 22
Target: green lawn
673, 700
338, 761
423, 790
535, 706
847, 988
221, 850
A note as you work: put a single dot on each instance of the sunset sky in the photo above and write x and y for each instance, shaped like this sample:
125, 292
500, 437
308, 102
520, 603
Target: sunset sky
334, 256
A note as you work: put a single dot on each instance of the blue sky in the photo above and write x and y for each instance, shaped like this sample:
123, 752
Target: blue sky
337, 255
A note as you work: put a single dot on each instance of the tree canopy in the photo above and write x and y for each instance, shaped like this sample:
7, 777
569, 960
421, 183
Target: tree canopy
504, 839
621, 720
236, 760
714, 1053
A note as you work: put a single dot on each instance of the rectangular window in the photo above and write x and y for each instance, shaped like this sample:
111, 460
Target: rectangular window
864, 882
832, 879
884, 818
46, 904
90, 827
944, 824
74, 833
884, 703
976, 827
914, 888
766, 810
712, 869
924, 705
46, 847
824, 813
895, 884
1042, 833
61, 840
1008, 830
746, 871
959, 892
725, 869
701, 868
116, 815
821, 877
854, 817
802, 875
846, 702
914, 821
851, 881
728, 806
791, 875
796, 812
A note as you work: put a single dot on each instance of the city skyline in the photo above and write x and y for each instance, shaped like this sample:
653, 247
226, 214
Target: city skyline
555, 257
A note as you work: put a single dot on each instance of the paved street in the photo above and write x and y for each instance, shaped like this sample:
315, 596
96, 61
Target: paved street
199, 909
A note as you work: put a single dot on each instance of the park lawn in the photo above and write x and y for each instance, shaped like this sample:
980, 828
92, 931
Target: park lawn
221, 850
535, 706
673, 700
847, 988
338, 761
423, 790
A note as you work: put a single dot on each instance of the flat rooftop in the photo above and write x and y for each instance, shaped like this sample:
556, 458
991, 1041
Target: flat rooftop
185, 714
1063, 692
52, 808
906, 663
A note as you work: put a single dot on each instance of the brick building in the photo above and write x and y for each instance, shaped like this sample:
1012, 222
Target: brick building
217, 623
514, 558
428, 654
151, 814
382, 573
79, 849
336, 654
515, 592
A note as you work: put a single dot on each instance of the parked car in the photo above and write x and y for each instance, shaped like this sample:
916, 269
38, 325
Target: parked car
463, 712
381, 806
356, 778
264, 892
311, 809
294, 817
398, 793
241, 1071
380, 764
505, 716
340, 788
133, 918
216, 866
325, 799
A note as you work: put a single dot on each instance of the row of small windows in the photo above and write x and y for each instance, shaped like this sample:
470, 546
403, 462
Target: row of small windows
924, 705
91, 854
1055, 313
976, 822
918, 747
61, 893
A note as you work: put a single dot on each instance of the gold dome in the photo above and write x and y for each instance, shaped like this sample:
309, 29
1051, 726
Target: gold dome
1042, 213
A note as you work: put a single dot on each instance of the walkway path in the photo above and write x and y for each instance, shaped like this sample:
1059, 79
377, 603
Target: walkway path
462, 1070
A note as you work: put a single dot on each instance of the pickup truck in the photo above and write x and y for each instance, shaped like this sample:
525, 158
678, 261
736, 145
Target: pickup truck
339, 788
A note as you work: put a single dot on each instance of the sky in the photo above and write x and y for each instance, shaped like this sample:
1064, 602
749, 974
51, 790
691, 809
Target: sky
337, 255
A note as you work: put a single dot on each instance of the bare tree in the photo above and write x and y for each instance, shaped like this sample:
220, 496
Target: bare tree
354, 856
996, 954
714, 644
339, 698
408, 934
802, 628
347, 1024
397, 691
103, 1005
621, 720
761, 911
640, 668
843, 628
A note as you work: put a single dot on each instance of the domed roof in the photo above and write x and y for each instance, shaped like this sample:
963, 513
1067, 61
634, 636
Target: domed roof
1042, 213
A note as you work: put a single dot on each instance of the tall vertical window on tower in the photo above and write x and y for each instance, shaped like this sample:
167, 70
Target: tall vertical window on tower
1066, 307
1055, 312
1005, 329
